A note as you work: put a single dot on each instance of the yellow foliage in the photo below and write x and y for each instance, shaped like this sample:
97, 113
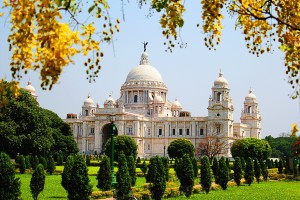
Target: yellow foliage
294, 130
39, 40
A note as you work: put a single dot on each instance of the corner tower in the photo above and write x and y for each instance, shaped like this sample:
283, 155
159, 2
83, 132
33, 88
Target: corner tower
250, 115
220, 109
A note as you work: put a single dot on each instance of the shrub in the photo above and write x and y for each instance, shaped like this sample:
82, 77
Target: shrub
195, 167
37, 181
51, 165
280, 167
238, 173
205, 175
138, 160
104, 176
187, 176
22, 164
156, 178
249, 172
35, 162
223, 173
215, 169
27, 162
257, 170
43, 161
264, 170
9, 185
123, 178
165, 162
88, 160
75, 176
144, 168
132, 170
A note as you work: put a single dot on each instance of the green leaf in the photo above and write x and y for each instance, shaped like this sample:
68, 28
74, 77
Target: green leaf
91, 8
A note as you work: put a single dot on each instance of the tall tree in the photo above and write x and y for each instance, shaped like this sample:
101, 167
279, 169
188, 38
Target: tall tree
144, 167
215, 169
66, 174
187, 178
26, 128
264, 170
249, 171
104, 175
123, 143
179, 147
132, 169
257, 170
51, 165
156, 178
37, 181
280, 167
205, 174
195, 167
77, 180
177, 167
238, 172
9, 185
223, 173
22, 164
213, 145
165, 162
123, 178
251, 147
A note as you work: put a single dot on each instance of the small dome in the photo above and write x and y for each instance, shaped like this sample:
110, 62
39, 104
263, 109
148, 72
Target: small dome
89, 102
109, 101
176, 104
220, 81
250, 96
29, 88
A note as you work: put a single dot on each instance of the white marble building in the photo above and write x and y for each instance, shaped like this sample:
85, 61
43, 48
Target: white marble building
144, 112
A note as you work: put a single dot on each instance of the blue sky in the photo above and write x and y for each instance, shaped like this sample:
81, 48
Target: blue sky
189, 73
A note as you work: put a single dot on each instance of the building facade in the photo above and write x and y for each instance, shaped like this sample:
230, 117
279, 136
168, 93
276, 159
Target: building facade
144, 112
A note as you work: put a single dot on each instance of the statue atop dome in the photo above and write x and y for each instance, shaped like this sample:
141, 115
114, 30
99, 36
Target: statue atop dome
145, 46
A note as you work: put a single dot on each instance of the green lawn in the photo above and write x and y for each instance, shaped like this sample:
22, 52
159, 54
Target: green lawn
265, 190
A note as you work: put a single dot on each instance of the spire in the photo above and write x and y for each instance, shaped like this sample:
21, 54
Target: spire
220, 73
250, 90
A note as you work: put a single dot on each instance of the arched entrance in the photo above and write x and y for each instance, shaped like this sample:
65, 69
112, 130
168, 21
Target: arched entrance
106, 134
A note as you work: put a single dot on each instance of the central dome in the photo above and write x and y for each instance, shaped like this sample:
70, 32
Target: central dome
144, 71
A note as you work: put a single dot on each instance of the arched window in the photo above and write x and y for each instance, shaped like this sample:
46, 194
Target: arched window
86, 113
135, 98
249, 109
219, 96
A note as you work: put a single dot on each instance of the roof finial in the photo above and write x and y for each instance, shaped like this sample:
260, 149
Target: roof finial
89, 95
145, 46
220, 73
250, 90
29, 82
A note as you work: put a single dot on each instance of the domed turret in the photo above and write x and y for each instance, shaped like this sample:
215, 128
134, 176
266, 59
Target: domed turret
176, 104
89, 102
220, 81
251, 96
109, 102
88, 107
29, 88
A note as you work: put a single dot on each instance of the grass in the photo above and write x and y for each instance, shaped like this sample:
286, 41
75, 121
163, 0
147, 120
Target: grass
265, 190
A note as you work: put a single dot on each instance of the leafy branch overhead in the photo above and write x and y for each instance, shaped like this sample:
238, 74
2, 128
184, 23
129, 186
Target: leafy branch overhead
45, 35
